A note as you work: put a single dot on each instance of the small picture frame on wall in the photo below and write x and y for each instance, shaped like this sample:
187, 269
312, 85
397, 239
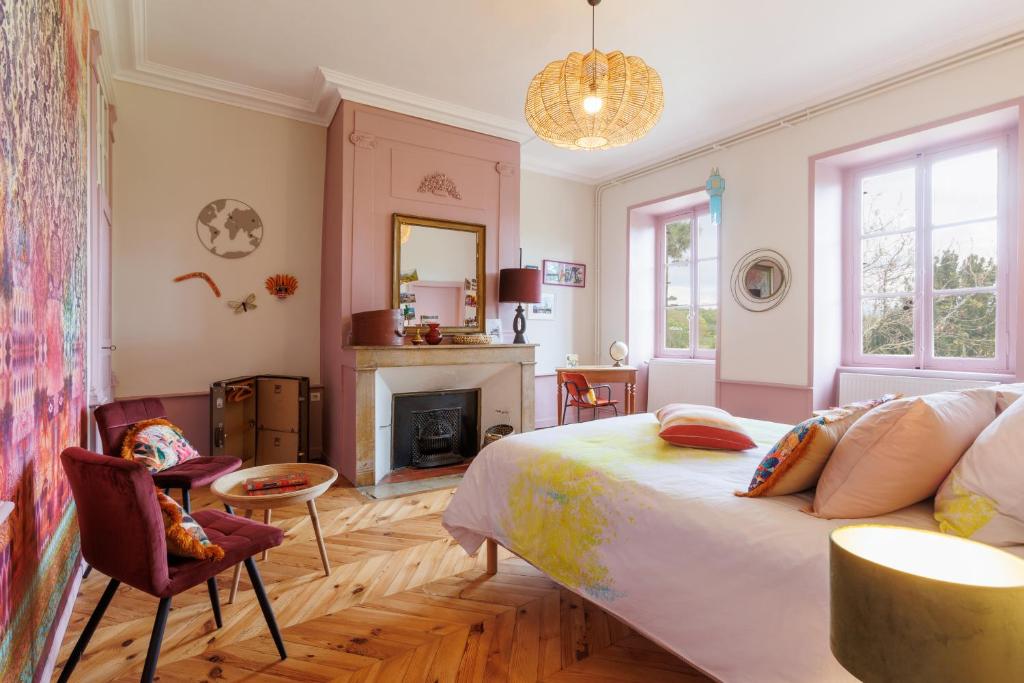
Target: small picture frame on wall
544, 310
565, 273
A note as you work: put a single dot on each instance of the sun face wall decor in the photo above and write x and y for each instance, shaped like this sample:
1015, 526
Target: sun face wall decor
281, 285
594, 101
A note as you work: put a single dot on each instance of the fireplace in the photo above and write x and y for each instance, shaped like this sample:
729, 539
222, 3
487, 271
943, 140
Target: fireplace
434, 428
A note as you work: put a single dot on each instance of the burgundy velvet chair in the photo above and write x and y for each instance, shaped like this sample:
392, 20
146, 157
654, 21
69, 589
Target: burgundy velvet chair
115, 418
123, 536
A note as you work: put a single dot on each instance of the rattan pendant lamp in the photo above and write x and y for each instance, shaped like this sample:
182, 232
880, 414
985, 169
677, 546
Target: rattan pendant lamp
596, 100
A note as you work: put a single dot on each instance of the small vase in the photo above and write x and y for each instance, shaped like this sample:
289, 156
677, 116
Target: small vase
433, 335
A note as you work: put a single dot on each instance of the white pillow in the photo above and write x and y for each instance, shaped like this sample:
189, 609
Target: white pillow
982, 497
1006, 394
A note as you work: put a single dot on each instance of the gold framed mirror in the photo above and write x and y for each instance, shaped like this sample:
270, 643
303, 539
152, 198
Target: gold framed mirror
438, 273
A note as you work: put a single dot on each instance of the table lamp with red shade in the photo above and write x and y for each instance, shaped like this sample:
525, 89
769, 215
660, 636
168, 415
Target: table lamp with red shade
519, 286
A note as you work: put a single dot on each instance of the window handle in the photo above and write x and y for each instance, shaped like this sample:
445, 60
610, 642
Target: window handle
112, 347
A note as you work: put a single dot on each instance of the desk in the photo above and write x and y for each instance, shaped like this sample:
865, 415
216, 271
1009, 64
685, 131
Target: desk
602, 374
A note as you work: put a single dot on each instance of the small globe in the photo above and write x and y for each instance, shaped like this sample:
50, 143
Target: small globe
229, 228
618, 351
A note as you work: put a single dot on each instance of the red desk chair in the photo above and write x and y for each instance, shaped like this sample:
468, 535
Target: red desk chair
123, 536
115, 418
580, 394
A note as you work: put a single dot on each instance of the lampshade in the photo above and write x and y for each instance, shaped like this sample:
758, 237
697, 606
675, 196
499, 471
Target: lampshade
629, 94
911, 605
519, 285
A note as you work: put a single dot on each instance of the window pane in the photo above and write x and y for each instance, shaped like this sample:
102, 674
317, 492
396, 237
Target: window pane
707, 328
965, 188
677, 327
707, 282
707, 237
677, 241
964, 256
888, 326
677, 288
887, 264
887, 201
965, 326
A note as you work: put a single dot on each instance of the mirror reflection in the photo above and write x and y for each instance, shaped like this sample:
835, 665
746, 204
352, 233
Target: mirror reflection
438, 278
763, 278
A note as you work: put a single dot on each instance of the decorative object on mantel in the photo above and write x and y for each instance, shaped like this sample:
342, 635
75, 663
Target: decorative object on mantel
544, 309
565, 273
494, 329
618, 352
439, 184
760, 280
245, 305
378, 328
596, 100
229, 228
282, 285
519, 286
418, 339
470, 339
434, 336
202, 276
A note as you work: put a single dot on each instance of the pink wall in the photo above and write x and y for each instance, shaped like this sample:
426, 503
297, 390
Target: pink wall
774, 402
375, 162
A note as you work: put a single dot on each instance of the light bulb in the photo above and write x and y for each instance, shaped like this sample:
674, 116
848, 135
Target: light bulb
592, 104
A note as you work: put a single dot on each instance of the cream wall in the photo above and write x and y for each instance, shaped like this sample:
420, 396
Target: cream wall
172, 155
557, 223
766, 204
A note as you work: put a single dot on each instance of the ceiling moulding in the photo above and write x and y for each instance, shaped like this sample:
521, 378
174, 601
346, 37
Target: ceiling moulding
374, 94
533, 165
100, 21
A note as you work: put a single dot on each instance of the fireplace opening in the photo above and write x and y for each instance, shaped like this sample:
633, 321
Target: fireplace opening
434, 428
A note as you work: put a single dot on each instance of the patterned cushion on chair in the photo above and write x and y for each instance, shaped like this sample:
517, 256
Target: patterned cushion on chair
157, 444
185, 537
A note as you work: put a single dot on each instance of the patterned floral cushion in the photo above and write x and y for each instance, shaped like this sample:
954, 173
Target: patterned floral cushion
796, 461
185, 537
157, 444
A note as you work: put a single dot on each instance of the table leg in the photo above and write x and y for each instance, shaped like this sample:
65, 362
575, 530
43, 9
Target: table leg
319, 536
238, 572
558, 407
492, 557
266, 520
630, 398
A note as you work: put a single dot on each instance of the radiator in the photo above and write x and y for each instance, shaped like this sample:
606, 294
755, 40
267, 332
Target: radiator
857, 386
670, 381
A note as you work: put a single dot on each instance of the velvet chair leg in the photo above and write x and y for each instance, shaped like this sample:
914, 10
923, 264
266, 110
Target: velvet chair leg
155, 640
186, 501
90, 628
268, 612
211, 585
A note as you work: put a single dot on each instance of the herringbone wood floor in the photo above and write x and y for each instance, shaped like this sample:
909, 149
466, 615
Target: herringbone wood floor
402, 603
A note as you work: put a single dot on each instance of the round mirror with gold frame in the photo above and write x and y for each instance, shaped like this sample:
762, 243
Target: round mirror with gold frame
761, 280
439, 273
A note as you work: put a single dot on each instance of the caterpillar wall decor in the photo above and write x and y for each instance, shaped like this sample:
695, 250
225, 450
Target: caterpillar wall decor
203, 276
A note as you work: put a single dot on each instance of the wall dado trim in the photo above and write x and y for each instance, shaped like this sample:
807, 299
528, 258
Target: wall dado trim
362, 366
785, 403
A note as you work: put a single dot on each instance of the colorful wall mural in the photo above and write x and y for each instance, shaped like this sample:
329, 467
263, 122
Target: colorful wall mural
44, 71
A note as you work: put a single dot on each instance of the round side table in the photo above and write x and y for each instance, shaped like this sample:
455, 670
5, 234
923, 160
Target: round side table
230, 489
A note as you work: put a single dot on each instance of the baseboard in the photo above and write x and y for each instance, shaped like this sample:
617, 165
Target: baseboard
60, 627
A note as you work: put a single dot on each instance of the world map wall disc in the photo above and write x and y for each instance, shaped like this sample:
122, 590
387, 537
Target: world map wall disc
229, 228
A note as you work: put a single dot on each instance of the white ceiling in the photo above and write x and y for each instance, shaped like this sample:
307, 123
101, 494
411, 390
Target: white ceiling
725, 65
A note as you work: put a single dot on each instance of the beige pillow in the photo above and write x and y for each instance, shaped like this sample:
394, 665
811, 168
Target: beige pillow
982, 497
900, 452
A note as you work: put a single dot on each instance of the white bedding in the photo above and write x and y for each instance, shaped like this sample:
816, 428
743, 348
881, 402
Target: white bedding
653, 533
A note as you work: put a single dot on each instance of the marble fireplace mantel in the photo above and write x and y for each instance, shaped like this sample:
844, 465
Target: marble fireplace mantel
500, 370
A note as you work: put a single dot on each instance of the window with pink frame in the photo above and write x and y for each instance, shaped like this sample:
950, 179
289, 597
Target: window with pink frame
687, 247
930, 260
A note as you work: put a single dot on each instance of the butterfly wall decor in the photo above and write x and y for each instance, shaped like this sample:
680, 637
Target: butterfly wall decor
244, 306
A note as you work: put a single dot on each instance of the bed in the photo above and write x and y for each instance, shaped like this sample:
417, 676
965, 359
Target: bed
652, 533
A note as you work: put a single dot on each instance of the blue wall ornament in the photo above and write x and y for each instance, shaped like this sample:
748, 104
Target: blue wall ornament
715, 187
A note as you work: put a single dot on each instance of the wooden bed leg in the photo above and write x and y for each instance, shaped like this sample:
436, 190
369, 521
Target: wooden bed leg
492, 557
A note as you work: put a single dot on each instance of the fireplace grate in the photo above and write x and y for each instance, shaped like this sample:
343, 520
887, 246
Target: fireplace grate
437, 437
